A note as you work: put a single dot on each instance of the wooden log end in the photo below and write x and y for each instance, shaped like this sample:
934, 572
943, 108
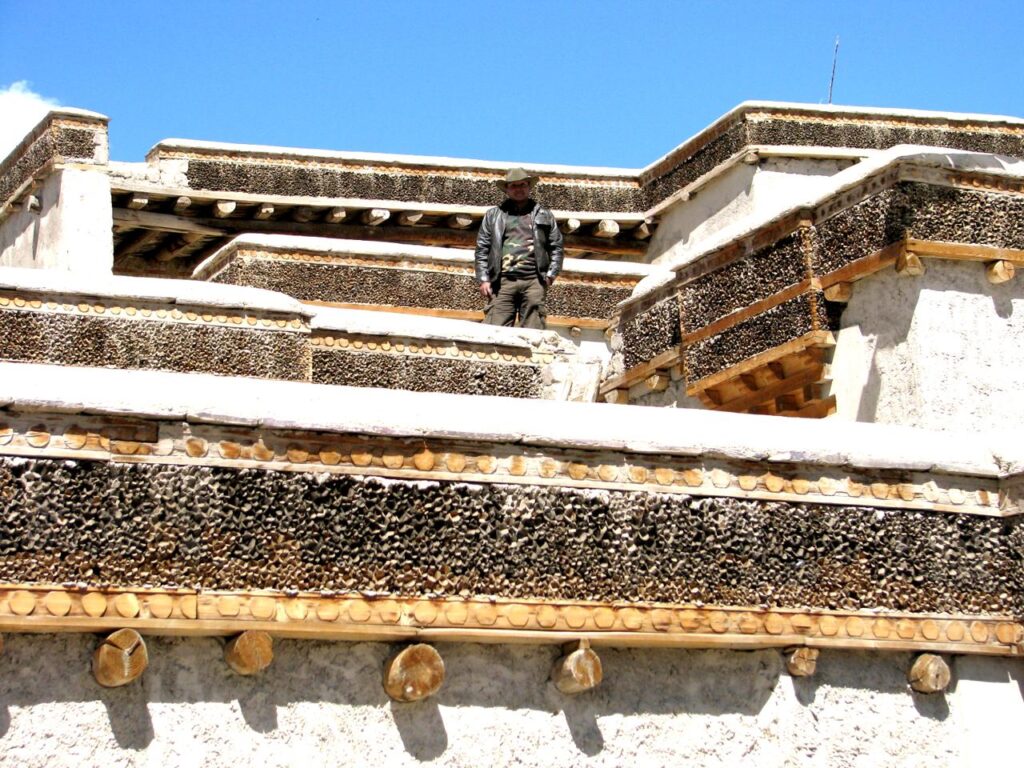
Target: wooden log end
1001, 271
802, 662
840, 292
224, 208
335, 215
120, 658
617, 396
375, 216
250, 652
909, 264
414, 673
460, 221
578, 671
657, 382
929, 674
571, 225
606, 228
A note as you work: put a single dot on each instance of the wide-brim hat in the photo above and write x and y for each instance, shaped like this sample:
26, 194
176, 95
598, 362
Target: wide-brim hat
516, 174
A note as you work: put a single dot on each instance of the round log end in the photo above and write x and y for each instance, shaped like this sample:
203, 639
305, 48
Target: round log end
413, 673
120, 658
929, 674
802, 662
577, 672
250, 652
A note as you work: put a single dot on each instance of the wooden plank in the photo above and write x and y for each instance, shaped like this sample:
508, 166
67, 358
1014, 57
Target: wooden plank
808, 340
964, 251
163, 221
139, 241
862, 267
665, 360
744, 314
818, 409
772, 391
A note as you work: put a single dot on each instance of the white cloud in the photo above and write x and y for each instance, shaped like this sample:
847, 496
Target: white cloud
20, 109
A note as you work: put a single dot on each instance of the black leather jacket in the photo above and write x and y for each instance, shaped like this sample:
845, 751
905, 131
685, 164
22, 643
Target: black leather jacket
547, 240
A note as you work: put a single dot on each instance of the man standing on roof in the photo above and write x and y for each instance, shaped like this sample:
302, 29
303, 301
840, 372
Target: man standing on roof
518, 255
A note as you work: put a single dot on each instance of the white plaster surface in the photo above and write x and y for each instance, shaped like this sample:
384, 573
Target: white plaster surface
322, 704
156, 289
681, 432
386, 250
775, 208
71, 230
740, 191
944, 351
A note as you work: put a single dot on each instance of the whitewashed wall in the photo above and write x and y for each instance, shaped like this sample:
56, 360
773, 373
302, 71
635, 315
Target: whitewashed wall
322, 704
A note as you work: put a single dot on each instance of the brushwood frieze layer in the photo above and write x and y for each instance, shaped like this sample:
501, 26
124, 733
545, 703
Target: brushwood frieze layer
217, 528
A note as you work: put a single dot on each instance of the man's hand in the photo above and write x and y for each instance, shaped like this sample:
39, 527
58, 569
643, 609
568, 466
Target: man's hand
549, 281
485, 290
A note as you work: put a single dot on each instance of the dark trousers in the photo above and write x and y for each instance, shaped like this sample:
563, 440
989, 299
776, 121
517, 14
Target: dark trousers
524, 298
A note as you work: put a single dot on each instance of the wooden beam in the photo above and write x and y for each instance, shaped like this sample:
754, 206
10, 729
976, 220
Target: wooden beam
264, 211
840, 292
139, 241
999, 271
336, 215
120, 658
810, 340
414, 673
617, 397
459, 221
224, 208
179, 247
303, 214
410, 218
802, 661
375, 216
137, 202
163, 221
657, 382
579, 670
182, 204
606, 228
929, 674
250, 652
909, 264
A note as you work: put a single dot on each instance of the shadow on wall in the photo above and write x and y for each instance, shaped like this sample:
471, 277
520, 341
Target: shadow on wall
331, 693
947, 331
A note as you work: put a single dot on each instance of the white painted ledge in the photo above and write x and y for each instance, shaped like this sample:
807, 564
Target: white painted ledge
423, 254
903, 155
183, 292
441, 329
592, 426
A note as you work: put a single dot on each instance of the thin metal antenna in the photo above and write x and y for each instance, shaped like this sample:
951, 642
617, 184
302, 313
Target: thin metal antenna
835, 58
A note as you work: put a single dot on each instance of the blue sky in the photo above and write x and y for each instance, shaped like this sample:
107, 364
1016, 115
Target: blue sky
591, 83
